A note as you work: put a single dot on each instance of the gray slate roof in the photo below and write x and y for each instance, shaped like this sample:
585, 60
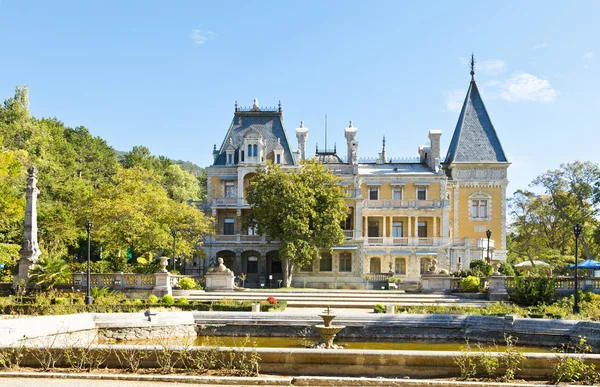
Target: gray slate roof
269, 124
474, 139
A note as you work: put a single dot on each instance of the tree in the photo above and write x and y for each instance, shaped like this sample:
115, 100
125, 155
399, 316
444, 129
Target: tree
135, 212
303, 210
574, 191
49, 271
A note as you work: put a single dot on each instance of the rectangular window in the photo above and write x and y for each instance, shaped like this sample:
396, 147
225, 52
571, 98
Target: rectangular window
347, 224
229, 189
397, 193
479, 209
278, 159
422, 193
242, 156
397, 229
252, 265
483, 208
326, 263
373, 230
229, 159
422, 231
373, 193
400, 266
345, 262
252, 230
229, 226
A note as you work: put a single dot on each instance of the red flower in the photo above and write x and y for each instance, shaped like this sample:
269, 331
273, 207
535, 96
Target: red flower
272, 300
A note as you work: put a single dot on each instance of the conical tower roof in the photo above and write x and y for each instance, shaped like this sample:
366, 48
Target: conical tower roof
475, 139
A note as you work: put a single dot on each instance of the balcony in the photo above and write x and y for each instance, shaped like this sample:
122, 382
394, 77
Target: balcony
351, 235
229, 202
427, 241
237, 239
411, 203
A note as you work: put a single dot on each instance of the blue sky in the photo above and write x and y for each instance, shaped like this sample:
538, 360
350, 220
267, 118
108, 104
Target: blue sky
166, 74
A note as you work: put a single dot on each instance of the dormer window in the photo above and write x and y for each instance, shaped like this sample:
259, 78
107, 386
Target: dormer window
278, 152
253, 145
230, 153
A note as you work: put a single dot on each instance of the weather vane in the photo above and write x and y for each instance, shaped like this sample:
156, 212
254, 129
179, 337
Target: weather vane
472, 67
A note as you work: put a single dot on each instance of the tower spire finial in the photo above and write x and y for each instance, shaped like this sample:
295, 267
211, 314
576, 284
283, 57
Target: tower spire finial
472, 67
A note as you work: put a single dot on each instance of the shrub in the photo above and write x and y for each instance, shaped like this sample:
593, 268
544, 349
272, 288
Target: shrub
9, 255
187, 283
60, 301
265, 306
534, 290
506, 269
466, 362
471, 284
573, 368
50, 271
152, 299
168, 300
272, 300
379, 308
138, 302
481, 268
182, 301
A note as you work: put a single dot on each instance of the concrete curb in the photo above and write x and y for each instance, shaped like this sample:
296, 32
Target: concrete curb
266, 380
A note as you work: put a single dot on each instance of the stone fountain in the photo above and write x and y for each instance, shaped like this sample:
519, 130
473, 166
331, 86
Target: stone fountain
327, 331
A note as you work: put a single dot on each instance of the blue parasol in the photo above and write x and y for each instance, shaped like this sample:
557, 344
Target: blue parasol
587, 264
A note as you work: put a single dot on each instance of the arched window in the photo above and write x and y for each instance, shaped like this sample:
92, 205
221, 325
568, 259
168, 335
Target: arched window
255, 148
375, 265
249, 150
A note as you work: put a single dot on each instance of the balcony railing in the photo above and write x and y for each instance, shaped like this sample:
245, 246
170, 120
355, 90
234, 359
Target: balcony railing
428, 241
229, 202
256, 239
410, 203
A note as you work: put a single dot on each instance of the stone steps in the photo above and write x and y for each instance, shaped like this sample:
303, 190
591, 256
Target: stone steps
341, 299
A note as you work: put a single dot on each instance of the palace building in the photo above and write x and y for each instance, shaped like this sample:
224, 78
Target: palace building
404, 213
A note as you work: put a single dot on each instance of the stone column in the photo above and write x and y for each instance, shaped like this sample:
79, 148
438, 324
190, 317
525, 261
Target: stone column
384, 234
434, 226
30, 250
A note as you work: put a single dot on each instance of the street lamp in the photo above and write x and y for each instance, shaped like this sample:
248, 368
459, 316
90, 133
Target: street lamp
488, 233
577, 231
88, 297
174, 232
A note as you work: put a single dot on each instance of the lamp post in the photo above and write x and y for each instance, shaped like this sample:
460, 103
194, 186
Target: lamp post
488, 233
88, 297
577, 231
174, 232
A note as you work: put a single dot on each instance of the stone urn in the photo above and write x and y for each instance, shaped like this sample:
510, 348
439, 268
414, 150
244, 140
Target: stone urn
164, 261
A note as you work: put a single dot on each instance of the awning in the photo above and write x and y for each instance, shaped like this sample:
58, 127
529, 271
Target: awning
349, 247
375, 252
427, 253
227, 177
401, 252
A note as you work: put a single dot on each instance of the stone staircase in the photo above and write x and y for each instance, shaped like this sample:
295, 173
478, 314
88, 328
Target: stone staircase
338, 298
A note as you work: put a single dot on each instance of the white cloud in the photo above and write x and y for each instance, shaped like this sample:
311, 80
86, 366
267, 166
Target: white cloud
588, 55
527, 87
542, 45
199, 37
454, 100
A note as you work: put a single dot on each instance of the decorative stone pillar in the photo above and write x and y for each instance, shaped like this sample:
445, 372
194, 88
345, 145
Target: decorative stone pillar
162, 284
497, 288
30, 250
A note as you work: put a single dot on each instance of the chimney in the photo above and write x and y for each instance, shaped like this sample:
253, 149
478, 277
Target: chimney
350, 133
302, 136
434, 139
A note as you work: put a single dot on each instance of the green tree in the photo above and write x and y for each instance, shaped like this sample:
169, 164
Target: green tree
303, 210
50, 271
574, 191
134, 211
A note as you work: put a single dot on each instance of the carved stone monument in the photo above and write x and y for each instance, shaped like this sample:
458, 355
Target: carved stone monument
219, 278
30, 250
